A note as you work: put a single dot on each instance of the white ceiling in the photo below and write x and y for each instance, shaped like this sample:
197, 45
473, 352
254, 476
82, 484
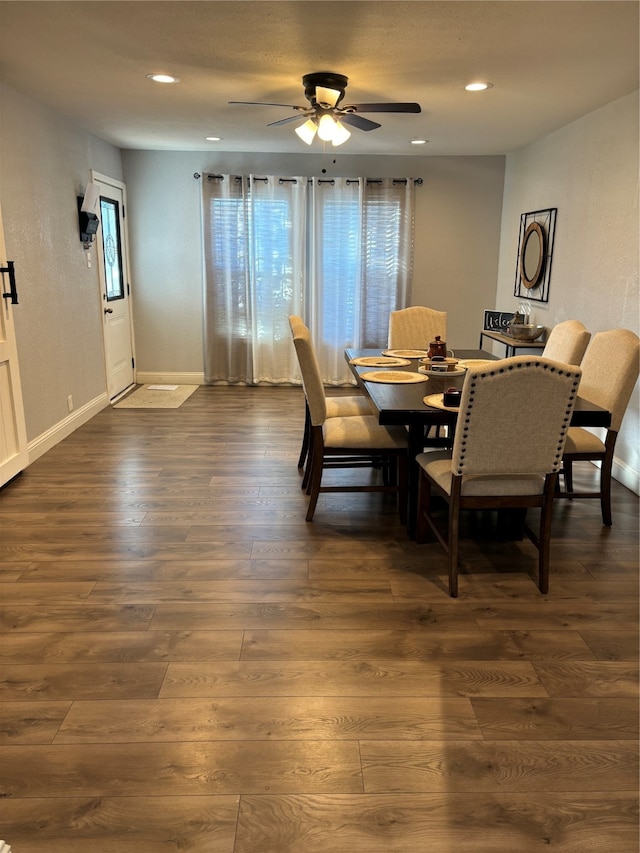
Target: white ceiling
550, 63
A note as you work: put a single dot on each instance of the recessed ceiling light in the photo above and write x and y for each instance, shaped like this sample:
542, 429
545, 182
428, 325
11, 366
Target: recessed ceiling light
478, 87
213, 138
419, 141
163, 78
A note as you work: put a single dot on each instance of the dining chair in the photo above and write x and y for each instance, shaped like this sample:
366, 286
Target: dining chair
567, 342
416, 327
609, 373
507, 451
337, 407
357, 440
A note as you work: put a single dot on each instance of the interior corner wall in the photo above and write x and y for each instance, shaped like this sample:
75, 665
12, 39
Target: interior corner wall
457, 228
45, 164
588, 170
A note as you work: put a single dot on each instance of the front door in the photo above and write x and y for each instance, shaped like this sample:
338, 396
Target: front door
13, 433
114, 287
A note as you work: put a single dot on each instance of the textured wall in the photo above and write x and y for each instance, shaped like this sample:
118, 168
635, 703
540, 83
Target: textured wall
45, 163
589, 171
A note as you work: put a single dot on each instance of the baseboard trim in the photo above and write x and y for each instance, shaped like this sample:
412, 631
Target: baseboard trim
625, 474
148, 378
55, 434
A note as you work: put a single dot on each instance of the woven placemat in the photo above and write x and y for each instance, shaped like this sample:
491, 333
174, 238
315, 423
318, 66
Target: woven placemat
393, 377
435, 400
379, 361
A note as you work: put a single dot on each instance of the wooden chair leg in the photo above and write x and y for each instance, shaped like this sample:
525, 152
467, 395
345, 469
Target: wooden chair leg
605, 492
544, 535
567, 469
306, 479
315, 479
304, 450
454, 535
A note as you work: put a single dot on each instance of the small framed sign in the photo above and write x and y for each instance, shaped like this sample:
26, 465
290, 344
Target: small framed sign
497, 321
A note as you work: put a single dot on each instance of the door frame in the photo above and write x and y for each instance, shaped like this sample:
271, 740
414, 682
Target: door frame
107, 181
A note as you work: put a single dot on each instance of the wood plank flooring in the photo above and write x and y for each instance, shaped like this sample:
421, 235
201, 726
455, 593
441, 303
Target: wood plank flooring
187, 665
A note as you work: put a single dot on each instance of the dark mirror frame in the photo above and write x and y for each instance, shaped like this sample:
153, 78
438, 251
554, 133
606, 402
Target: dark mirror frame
535, 252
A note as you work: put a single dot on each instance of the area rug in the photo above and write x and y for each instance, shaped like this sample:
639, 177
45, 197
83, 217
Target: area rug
156, 397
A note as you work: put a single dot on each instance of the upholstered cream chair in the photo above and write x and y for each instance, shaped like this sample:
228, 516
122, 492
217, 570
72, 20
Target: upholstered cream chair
354, 438
503, 456
609, 374
337, 407
416, 327
567, 342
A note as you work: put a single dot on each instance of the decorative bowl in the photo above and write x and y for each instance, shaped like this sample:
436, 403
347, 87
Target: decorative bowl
525, 332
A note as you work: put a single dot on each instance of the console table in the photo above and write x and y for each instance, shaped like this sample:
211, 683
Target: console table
510, 343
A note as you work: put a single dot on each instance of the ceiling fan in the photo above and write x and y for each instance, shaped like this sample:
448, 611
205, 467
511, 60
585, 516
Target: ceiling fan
326, 115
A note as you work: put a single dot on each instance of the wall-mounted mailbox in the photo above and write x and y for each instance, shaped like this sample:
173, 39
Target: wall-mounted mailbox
87, 222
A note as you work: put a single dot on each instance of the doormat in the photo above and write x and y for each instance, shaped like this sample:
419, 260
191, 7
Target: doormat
156, 397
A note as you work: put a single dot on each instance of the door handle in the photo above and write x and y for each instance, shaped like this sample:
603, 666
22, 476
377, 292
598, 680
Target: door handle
108, 310
13, 292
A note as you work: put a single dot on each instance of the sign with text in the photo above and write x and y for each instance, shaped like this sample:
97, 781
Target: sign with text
497, 321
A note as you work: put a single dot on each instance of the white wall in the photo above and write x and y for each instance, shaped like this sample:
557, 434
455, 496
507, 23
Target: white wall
457, 226
45, 164
589, 171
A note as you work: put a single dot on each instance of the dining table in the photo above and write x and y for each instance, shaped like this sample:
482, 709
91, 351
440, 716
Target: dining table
403, 403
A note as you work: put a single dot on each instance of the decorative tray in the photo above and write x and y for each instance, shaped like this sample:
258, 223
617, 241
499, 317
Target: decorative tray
442, 374
392, 376
379, 361
474, 363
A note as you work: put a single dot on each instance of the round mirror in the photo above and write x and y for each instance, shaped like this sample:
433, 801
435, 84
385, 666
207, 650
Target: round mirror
532, 255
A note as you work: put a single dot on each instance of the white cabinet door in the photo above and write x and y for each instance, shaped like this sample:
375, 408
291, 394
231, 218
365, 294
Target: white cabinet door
13, 433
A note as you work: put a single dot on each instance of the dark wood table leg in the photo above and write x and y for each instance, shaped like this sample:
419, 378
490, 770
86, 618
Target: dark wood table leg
415, 446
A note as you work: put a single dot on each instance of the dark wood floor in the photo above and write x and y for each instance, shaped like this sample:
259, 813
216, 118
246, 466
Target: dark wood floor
186, 665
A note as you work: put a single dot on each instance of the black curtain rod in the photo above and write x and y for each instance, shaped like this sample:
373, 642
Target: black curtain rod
417, 181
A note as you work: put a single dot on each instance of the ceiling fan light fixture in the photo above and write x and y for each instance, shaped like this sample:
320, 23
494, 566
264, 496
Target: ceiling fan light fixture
326, 127
307, 131
340, 134
327, 97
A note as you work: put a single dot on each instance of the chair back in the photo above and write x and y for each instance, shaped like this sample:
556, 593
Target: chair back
609, 371
295, 321
567, 342
416, 327
514, 416
311, 376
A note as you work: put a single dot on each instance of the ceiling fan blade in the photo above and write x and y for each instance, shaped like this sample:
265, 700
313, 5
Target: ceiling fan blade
263, 104
357, 121
384, 108
330, 97
288, 119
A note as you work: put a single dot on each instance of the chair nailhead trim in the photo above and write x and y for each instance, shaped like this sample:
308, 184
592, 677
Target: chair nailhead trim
531, 362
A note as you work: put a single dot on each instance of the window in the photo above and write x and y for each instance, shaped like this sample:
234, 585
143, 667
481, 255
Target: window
109, 217
336, 251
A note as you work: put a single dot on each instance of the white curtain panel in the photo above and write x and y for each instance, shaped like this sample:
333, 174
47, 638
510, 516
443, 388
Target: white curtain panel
336, 251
